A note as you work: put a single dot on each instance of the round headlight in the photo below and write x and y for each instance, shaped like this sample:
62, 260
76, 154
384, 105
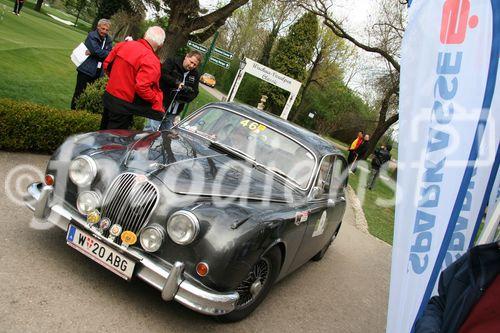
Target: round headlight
88, 201
152, 237
183, 227
82, 170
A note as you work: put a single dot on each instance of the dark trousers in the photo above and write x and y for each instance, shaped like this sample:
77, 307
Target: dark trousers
82, 80
113, 120
18, 6
351, 157
373, 176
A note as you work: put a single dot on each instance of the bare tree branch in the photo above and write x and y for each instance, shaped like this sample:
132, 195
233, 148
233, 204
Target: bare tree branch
321, 9
223, 12
202, 36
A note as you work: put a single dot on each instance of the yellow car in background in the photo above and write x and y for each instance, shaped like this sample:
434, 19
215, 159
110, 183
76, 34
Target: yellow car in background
208, 79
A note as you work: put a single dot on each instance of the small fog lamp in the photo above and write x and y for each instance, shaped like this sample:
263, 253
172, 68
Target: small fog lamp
152, 237
88, 201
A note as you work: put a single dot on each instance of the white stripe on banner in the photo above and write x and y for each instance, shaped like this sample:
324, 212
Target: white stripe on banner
448, 144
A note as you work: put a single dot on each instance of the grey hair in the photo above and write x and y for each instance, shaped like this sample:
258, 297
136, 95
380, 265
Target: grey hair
104, 21
155, 34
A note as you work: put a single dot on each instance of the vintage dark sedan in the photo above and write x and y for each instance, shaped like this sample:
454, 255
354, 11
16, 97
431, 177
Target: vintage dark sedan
210, 213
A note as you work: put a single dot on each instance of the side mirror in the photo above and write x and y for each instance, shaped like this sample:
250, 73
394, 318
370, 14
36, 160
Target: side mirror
330, 203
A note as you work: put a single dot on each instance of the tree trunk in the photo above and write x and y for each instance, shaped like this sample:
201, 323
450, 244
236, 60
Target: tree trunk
38, 5
78, 14
383, 124
175, 39
379, 131
268, 46
181, 23
312, 72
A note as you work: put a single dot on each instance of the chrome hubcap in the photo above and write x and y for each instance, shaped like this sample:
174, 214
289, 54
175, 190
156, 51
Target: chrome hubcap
256, 288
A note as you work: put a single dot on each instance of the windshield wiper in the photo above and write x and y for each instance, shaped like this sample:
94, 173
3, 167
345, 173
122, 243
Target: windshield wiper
254, 162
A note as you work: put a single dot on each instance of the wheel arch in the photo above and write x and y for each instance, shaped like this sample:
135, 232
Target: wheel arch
281, 246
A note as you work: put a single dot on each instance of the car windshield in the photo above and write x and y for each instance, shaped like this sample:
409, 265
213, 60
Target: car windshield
269, 148
209, 76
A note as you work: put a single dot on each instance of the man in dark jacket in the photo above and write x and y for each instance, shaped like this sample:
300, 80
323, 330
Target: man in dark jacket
179, 83
469, 295
381, 156
134, 81
98, 44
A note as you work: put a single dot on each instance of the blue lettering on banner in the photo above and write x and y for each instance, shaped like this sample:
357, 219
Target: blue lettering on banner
457, 242
445, 89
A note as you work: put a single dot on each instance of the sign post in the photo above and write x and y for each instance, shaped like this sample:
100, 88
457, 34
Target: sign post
208, 57
269, 75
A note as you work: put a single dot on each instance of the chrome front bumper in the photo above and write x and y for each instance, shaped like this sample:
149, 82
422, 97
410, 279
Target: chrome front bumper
170, 279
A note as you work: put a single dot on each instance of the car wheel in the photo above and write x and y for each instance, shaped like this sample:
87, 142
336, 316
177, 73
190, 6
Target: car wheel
255, 287
318, 256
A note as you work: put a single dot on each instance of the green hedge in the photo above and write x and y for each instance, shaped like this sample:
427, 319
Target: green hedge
26, 126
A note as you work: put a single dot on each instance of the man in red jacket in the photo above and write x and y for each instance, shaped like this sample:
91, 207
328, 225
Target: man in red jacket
133, 88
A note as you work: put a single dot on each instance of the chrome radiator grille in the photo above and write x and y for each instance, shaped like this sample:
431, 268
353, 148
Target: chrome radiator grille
130, 201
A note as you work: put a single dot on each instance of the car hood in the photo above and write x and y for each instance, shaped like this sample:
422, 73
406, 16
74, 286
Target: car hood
189, 164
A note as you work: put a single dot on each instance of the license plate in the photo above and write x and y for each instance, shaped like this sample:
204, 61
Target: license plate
100, 252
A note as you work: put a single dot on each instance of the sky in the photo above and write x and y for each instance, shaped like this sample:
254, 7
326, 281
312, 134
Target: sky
355, 12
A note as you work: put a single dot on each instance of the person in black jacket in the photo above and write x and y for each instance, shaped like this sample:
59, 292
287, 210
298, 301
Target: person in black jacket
99, 44
179, 83
469, 295
381, 156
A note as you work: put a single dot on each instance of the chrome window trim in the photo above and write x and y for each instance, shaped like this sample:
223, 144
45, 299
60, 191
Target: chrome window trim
271, 127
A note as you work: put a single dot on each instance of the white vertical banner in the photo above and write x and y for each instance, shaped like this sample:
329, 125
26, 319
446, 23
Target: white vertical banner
448, 144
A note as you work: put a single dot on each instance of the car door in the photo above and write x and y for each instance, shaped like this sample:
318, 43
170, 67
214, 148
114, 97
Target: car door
326, 206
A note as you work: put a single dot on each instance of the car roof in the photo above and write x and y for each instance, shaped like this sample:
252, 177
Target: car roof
313, 141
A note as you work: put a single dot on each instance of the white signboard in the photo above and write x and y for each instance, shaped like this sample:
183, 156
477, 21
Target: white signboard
271, 76
448, 149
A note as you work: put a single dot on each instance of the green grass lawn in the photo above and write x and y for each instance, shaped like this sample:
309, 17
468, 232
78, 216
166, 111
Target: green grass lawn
378, 206
34, 58
203, 98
